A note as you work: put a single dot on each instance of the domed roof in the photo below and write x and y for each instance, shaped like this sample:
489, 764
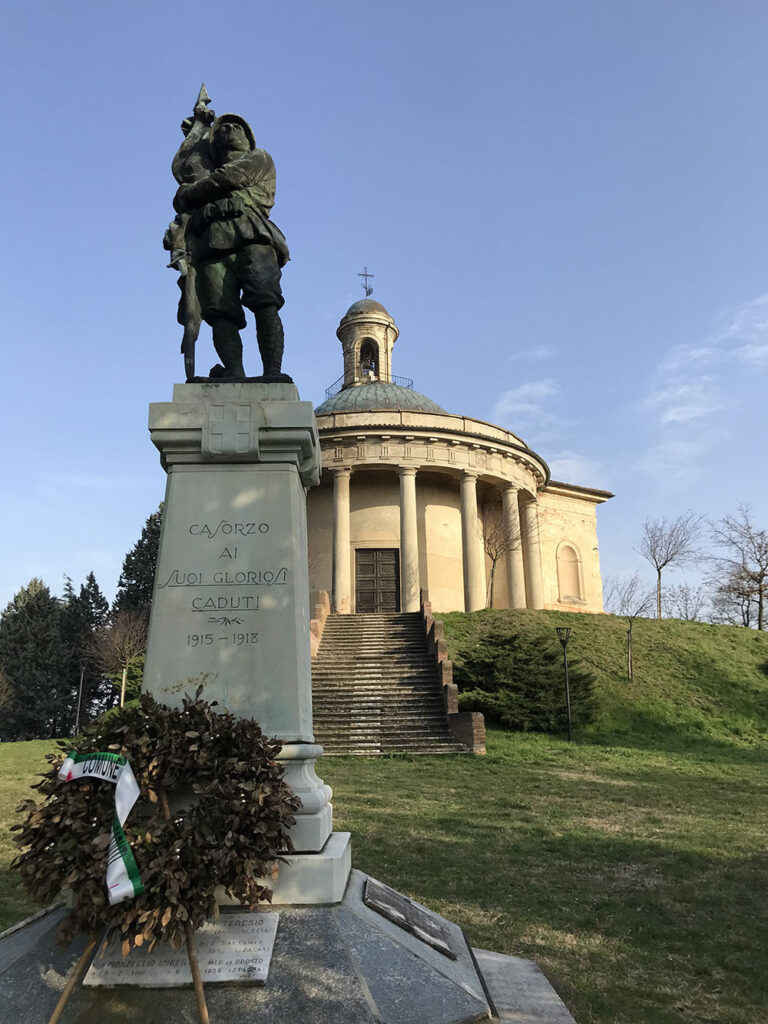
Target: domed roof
367, 306
378, 394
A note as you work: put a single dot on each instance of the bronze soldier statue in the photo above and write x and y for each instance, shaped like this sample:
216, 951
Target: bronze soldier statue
235, 252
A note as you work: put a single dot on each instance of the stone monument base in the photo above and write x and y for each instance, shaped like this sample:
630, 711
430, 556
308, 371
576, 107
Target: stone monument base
309, 879
343, 964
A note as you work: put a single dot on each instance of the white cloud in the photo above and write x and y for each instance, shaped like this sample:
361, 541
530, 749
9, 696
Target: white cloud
753, 354
533, 354
698, 386
749, 323
681, 401
573, 468
742, 336
680, 461
525, 398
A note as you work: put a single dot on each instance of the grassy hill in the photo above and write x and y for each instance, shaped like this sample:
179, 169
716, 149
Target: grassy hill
694, 683
630, 865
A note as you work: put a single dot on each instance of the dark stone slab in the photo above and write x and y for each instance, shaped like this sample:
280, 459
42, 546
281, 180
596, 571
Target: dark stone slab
35, 971
404, 988
406, 914
342, 964
24, 936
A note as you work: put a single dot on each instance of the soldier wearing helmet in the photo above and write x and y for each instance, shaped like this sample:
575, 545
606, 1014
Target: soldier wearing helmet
236, 250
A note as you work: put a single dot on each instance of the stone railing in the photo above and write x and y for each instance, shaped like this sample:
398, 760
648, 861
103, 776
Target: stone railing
467, 727
317, 623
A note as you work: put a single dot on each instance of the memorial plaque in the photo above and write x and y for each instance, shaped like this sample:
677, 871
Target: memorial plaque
407, 915
236, 948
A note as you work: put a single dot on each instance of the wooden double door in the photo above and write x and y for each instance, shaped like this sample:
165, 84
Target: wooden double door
377, 580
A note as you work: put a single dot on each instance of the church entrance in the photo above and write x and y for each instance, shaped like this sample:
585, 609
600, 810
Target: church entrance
377, 579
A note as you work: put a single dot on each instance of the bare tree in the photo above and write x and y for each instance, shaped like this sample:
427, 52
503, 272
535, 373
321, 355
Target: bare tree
118, 644
499, 536
631, 599
684, 602
740, 576
670, 542
731, 598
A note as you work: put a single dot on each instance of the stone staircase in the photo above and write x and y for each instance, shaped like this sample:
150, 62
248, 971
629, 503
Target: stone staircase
375, 688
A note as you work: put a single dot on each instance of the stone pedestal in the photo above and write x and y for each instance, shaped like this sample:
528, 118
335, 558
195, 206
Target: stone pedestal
230, 608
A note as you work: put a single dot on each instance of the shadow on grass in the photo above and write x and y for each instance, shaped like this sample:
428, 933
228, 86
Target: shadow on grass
651, 731
632, 930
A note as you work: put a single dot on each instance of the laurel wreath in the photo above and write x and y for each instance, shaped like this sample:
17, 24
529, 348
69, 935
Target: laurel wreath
214, 811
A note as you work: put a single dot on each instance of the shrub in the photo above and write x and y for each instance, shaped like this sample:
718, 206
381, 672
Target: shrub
522, 685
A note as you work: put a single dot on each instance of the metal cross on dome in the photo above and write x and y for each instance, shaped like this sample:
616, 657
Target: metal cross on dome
367, 287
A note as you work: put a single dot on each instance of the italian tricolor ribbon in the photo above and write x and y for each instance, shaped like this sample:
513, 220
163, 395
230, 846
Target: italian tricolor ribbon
123, 881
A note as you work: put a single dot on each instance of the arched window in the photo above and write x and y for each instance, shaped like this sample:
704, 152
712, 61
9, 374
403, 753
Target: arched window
369, 358
569, 573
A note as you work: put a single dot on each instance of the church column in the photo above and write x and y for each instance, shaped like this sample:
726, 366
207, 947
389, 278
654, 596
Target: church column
515, 571
532, 550
474, 568
342, 590
409, 541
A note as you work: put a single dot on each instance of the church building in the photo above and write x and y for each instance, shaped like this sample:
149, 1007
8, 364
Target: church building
415, 498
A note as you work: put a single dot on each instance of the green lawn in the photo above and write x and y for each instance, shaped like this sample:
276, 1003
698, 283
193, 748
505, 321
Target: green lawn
637, 879
20, 763
631, 865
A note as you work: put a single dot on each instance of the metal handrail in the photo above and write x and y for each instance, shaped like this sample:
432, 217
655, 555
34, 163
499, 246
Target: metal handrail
338, 385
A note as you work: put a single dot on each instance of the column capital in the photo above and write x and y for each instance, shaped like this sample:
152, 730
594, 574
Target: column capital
341, 471
406, 470
469, 474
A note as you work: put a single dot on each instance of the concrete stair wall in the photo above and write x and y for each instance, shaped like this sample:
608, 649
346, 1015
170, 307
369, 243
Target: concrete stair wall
375, 688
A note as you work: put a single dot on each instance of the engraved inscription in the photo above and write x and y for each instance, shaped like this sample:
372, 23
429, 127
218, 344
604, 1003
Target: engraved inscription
227, 597
236, 947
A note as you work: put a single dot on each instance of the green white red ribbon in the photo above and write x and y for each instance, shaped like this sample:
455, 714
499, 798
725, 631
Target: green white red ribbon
123, 880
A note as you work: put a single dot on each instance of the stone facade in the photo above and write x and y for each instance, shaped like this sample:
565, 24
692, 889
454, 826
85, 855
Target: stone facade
444, 492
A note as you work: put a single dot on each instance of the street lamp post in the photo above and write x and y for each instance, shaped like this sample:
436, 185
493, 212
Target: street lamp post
563, 633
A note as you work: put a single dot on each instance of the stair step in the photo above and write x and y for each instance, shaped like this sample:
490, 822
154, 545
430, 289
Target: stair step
375, 688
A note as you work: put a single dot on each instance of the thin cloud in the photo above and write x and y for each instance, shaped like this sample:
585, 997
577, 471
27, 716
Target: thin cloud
529, 408
682, 402
680, 460
525, 398
697, 386
534, 354
754, 354
574, 468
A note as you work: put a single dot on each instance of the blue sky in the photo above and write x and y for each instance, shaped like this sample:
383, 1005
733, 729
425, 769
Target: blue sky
563, 203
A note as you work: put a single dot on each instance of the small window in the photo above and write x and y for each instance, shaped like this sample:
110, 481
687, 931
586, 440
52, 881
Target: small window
569, 573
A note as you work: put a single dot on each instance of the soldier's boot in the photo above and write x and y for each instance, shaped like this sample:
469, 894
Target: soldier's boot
269, 334
229, 349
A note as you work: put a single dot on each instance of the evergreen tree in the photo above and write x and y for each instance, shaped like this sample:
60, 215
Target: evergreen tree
521, 685
134, 588
83, 614
33, 660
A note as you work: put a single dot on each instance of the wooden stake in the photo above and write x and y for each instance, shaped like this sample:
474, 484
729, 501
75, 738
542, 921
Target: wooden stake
202, 1007
70, 986
194, 965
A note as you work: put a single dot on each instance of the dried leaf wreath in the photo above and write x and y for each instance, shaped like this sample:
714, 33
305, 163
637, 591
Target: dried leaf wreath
230, 833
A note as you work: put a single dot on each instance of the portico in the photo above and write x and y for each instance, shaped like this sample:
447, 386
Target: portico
409, 491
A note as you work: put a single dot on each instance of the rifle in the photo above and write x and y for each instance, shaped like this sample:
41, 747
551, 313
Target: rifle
191, 161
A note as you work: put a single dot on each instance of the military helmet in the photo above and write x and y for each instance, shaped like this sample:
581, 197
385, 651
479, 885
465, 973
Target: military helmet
234, 119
